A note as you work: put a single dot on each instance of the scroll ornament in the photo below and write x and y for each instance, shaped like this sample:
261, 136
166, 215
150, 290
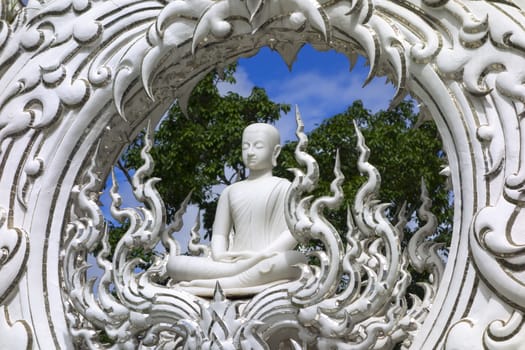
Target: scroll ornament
355, 298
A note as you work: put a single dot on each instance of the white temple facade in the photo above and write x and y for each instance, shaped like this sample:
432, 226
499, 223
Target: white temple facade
80, 78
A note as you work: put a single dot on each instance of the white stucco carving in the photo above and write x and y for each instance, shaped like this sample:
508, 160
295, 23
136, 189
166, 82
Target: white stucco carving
312, 309
251, 247
80, 78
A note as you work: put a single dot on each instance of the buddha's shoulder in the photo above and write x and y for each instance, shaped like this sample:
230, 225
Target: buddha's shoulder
280, 181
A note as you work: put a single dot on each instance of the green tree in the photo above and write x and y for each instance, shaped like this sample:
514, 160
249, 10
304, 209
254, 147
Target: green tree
403, 154
192, 149
191, 152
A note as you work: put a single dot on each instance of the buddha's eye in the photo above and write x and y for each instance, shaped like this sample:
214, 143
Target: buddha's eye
245, 146
259, 145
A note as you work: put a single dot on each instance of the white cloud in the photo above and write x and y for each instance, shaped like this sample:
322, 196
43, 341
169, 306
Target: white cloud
321, 96
243, 85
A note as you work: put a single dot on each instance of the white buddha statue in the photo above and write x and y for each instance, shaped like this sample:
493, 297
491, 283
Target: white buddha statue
251, 246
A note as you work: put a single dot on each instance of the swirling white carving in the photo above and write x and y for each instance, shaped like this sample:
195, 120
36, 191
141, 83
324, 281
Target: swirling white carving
64, 84
15, 334
368, 311
13, 254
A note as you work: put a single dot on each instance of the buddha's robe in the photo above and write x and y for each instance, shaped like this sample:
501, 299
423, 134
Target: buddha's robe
258, 216
256, 208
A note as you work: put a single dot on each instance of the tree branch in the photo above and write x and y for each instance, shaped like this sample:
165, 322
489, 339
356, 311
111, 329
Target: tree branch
126, 174
224, 180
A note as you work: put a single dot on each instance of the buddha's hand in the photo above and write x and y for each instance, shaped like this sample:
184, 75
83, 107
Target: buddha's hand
234, 256
268, 254
247, 255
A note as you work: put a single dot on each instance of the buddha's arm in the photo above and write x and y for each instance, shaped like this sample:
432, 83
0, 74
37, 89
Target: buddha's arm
285, 241
222, 226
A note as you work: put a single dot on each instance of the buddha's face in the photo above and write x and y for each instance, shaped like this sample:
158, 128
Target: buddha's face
259, 148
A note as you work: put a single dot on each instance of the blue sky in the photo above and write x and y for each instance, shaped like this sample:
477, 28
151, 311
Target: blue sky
320, 83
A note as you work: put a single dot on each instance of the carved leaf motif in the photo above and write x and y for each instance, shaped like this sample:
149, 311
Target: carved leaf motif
194, 245
214, 21
289, 51
373, 300
5, 30
15, 335
505, 334
14, 249
371, 307
447, 62
254, 6
423, 252
122, 315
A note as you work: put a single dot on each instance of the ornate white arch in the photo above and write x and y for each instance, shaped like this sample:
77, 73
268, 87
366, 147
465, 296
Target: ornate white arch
82, 75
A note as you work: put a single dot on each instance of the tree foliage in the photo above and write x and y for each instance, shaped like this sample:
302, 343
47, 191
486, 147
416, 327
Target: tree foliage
403, 154
192, 152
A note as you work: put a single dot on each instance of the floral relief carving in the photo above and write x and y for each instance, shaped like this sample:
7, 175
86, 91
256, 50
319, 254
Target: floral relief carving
77, 75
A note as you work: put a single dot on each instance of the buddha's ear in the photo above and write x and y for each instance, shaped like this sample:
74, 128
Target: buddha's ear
275, 154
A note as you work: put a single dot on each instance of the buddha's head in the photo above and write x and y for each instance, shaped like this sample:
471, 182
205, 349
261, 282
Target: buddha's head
261, 145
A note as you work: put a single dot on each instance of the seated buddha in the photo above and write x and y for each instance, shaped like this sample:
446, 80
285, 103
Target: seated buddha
251, 246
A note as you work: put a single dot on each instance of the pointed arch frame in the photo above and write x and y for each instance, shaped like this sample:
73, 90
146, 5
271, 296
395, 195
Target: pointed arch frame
81, 74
